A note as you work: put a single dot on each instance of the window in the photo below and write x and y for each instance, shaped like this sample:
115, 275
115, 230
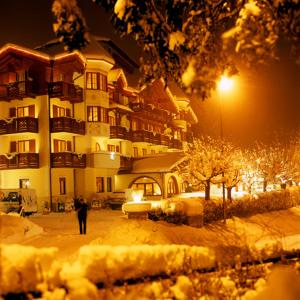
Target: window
24, 111
23, 183
113, 148
112, 120
144, 152
99, 184
134, 125
23, 146
172, 187
96, 81
152, 151
62, 185
61, 111
62, 146
135, 152
98, 148
148, 185
108, 184
97, 114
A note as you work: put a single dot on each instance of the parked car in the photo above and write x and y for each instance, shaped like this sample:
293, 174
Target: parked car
21, 201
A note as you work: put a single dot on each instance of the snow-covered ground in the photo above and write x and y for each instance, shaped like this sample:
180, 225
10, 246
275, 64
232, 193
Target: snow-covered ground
108, 227
121, 249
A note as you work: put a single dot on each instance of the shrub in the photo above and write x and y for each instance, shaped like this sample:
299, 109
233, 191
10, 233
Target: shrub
252, 204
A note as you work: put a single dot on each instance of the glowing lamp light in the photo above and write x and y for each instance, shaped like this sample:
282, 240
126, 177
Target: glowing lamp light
137, 196
112, 155
225, 84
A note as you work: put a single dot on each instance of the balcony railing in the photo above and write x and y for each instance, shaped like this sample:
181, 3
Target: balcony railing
66, 124
125, 164
68, 160
177, 144
19, 161
18, 90
17, 125
119, 132
66, 91
164, 140
142, 136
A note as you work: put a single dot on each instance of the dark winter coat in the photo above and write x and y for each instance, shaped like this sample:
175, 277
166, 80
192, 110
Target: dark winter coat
82, 209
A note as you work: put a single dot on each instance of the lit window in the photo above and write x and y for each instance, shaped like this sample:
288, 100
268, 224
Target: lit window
99, 184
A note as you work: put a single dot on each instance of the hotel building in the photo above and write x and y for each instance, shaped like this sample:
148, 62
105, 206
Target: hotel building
78, 124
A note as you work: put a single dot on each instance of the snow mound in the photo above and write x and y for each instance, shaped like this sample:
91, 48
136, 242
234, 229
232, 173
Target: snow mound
108, 264
15, 228
23, 268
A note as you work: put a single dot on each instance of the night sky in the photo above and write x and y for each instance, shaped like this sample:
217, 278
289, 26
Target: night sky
264, 101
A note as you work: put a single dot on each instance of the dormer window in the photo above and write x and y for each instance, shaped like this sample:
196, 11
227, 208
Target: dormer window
96, 81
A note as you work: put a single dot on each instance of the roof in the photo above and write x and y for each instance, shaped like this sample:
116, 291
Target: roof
93, 50
160, 163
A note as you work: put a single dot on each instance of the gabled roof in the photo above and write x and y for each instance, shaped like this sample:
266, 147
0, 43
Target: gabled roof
92, 51
160, 163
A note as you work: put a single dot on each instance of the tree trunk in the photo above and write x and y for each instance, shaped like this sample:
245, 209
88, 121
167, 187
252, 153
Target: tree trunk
265, 185
229, 197
283, 186
207, 190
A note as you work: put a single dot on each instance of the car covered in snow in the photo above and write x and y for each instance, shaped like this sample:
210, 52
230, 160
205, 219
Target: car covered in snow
21, 201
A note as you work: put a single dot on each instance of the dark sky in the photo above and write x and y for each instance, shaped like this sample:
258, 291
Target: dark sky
264, 100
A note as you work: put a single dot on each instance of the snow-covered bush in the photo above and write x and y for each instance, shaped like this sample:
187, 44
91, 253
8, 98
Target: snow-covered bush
252, 204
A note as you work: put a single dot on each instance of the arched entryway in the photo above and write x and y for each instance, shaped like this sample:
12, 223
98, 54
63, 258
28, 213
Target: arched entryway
149, 185
172, 187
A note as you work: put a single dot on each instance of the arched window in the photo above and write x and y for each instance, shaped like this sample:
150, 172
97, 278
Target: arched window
148, 185
98, 148
172, 186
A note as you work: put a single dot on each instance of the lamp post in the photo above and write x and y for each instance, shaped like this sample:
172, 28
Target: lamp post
225, 84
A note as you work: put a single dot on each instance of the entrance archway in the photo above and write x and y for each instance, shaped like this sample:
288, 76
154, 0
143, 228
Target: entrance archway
149, 185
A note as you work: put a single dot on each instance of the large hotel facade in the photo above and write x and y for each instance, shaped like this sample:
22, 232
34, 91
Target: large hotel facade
78, 124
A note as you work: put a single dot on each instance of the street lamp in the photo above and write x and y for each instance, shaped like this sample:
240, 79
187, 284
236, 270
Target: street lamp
225, 84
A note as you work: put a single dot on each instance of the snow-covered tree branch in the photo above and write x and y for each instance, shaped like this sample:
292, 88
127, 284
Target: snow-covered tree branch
193, 41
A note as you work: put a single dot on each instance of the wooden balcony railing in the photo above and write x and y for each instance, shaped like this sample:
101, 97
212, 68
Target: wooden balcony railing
19, 161
125, 164
119, 132
66, 124
177, 144
68, 160
66, 91
18, 90
17, 125
164, 140
142, 136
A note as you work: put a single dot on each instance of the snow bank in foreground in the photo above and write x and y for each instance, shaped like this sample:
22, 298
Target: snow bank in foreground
22, 268
107, 264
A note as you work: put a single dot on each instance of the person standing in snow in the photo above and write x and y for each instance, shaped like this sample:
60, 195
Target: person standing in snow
81, 209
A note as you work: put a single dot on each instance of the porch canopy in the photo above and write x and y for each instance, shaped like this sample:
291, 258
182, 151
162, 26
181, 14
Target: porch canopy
160, 163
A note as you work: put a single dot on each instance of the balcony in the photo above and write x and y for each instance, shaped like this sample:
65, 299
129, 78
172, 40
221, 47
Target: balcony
66, 124
125, 164
18, 90
68, 160
18, 125
137, 106
19, 161
66, 91
176, 144
142, 136
164, 140
104, 160
119, 132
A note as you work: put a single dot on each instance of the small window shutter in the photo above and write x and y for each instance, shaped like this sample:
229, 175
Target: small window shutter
68, 112
55, 146
98, 81
12, 112
105, 83
55, 111
13, 146
31, 145
31, 111
99, 114
69, 146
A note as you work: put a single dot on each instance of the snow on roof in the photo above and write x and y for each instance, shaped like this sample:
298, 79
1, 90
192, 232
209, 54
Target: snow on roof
120, 106
93, 50
160, 163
